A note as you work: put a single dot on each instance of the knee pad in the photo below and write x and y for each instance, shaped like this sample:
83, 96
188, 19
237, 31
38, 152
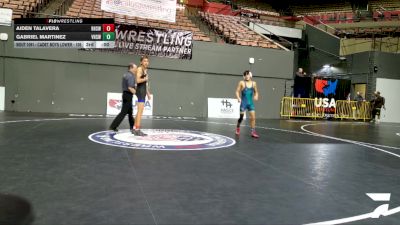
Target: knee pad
240, 118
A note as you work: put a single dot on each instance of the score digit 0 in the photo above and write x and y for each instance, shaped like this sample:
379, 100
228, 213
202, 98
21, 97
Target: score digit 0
108, 27
108, 36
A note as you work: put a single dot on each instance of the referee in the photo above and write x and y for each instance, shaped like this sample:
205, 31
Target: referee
128, 88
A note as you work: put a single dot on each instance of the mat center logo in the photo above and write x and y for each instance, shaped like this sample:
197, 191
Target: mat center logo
163, 139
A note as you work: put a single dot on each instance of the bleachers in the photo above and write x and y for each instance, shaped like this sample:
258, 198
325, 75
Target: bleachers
386, 4
260, 12
257, 5
386, 15
268, 20
23, 8
342, 12
366, 32
321, 9
234, 32
92, 9
333, 17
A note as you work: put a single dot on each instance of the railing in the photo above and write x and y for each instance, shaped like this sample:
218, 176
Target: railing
327, 27
310, 20
308, 108
63, 7
300, 107
194, 15
29, 14
281, 39
353, 110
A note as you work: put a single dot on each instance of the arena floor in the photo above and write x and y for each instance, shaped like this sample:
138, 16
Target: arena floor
297, 172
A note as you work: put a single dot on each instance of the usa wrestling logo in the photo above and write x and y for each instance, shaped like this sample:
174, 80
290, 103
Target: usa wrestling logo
325, 86
163, 139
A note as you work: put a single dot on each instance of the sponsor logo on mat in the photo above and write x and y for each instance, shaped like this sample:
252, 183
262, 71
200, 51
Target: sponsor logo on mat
163, 139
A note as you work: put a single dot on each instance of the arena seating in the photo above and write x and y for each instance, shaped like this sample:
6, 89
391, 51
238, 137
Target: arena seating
257, 5
386, 4
260, 12
231, 27
319, 9
235, 32
275, 21
23, 8
365, 32
91, 9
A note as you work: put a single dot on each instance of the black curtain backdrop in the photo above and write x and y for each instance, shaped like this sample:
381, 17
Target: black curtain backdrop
307, 87
302, 87
339, 89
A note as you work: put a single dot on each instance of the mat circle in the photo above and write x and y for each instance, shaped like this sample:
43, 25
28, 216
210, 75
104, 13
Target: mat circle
163, 139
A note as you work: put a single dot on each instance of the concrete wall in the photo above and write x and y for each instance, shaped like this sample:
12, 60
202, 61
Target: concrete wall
361, 68
388, 65
357, 66
387, 44
76, 81
389, 89
327, 48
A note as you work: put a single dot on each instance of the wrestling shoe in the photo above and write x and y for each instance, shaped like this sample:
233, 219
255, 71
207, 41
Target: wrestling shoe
254, 134
113, 129
237, 132
139, 133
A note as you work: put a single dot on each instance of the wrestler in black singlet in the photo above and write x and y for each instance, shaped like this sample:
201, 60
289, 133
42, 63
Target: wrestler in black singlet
141, 89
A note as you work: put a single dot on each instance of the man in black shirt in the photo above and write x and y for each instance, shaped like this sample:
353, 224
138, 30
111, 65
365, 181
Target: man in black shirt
360, 99
128, 89
301, 73
377, 103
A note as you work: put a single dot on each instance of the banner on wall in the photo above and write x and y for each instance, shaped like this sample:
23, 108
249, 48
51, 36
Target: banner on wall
5, 17
327, 91
151, 9
140, 40
223, 108
114, 104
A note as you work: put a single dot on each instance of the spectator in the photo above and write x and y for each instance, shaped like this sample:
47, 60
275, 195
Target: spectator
377, 104
302, 84
300, 72
359, 98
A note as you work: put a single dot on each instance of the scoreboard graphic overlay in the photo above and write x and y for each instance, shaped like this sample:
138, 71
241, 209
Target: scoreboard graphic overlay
64, 33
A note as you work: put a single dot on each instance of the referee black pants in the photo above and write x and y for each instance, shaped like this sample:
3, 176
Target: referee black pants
126, 109
376, 111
